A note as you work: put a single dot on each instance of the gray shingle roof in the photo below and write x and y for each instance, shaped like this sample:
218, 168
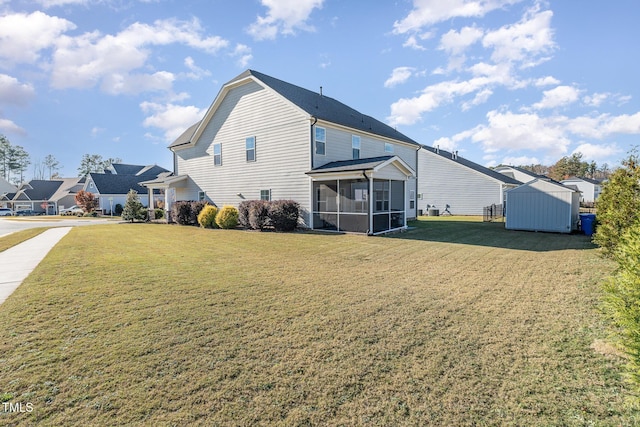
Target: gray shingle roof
316, 105
40, 189
472, 165
352, 165
121, 183
328, 109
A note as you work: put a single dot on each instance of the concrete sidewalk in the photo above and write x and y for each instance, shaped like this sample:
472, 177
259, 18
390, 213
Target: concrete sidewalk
18, 262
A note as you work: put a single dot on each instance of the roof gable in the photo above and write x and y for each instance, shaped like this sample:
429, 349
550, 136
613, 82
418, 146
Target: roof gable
39, 189
314, 104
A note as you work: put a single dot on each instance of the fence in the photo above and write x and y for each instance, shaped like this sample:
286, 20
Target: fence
493, 213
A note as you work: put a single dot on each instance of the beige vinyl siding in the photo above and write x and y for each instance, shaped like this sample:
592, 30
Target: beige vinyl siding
443, 182
338, 147
282, 135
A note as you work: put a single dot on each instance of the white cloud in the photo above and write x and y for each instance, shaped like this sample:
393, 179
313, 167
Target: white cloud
598, 152
14, 92
456, 42
170, 118
558, 97
23, 36
480, 98
429, 12
524, 41
546, 81
596, 99
51, 3
7, 126
244, 55
520, 160
399, 75
91, 59
511, 132
283, 17
196, 72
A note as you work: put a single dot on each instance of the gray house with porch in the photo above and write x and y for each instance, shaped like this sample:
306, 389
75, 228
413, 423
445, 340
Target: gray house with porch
263, 138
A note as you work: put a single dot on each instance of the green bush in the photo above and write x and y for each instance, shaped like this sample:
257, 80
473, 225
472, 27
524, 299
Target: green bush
618, 205
158, 213
207, 216
118, 209
622, 300
283, 214
258, 214
227, 217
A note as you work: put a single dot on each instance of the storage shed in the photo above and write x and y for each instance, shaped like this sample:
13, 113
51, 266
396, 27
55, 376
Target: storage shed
543, 205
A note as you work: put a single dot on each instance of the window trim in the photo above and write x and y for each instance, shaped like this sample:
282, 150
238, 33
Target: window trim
356, 144
217, 158
323, 141
268, 195
250, 150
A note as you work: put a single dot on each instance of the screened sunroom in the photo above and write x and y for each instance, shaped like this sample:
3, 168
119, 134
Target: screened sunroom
361, 196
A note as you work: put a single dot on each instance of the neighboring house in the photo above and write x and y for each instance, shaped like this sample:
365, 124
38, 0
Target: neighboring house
263, 138
112, 186
37, 195
590, 188
519, 174
543, 205
7, 191
65, 196
453, 184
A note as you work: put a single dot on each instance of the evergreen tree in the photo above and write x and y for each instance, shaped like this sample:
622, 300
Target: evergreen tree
618, 204
133, 209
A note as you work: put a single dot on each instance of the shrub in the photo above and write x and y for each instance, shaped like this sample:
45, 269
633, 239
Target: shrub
283, 214
181, 212
227, 217
622, 293
243, 213
207, 216
158, 213
118, 209
618, 205
86, 200
258, 214
196, 208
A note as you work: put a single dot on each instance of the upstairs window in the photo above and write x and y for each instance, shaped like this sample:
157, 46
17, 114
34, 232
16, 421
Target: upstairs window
355, 146
217, 154
250, 145
388, 147
320, 141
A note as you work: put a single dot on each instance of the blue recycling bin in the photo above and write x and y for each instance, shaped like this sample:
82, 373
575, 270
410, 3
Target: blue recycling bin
587, 222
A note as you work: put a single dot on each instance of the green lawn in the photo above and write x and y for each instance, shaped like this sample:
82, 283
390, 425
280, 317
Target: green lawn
18, 237
450, 324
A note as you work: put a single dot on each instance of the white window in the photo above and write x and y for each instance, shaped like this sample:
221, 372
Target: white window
201, 195
355, 146
320, 140
217, 154
412, 199
388, 147
250, 145
265, 195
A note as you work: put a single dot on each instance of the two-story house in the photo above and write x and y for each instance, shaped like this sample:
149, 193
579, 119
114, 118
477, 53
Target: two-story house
263, 138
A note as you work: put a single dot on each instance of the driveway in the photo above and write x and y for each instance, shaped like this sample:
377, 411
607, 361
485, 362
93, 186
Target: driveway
12, 224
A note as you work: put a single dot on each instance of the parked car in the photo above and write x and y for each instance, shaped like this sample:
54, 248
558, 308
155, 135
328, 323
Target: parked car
6, 212
72, 210
28, 212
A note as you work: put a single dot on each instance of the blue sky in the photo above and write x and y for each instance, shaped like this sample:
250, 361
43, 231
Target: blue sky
501, 81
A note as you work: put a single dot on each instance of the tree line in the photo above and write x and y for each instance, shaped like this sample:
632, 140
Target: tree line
569, 166
15, 162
